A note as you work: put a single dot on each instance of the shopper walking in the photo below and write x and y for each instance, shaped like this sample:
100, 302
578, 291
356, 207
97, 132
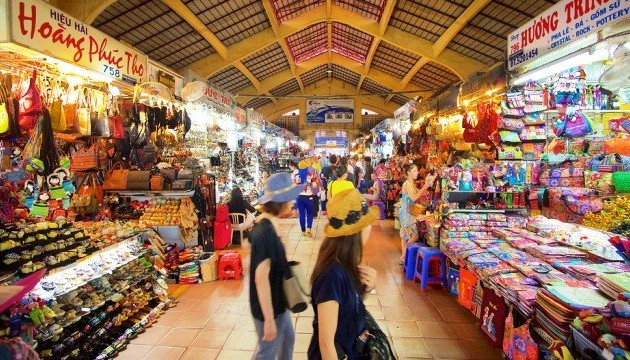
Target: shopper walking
264, 176
276, 336
306, 204
341, 183
340, 278
410, 193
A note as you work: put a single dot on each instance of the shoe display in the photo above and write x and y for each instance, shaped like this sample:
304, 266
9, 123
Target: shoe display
91, 309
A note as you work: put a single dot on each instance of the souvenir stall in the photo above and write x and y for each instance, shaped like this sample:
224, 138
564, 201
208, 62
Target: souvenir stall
534, 205
71, 282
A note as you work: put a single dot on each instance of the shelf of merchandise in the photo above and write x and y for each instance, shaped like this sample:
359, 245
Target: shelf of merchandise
593, 111
166, 193
487, 211
58, 272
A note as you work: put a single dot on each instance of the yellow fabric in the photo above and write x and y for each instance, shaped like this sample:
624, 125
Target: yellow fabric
317, 167
337, 186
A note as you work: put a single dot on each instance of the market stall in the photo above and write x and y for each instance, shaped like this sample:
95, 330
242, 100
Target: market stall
533, 199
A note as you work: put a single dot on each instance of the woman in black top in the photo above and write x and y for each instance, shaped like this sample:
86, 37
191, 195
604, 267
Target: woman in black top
267, 268
238, 204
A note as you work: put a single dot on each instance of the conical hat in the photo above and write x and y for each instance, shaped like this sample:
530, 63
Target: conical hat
193, 91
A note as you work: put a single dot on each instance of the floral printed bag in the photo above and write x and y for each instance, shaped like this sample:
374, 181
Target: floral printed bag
517, 342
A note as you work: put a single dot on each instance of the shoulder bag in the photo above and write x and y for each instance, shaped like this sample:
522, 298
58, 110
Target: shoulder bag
116, 178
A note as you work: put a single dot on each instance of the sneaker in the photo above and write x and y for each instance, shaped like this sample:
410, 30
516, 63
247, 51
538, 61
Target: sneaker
303, 233
309, 232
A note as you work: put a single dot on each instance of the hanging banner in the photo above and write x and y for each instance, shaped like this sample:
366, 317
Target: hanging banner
320, 111
404, 112
240, 117
562, 24
331, 138
45, 29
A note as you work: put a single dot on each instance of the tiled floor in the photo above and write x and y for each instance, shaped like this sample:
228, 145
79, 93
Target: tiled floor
212, 320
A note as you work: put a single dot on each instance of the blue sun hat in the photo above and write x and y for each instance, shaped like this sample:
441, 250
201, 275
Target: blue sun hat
280, 188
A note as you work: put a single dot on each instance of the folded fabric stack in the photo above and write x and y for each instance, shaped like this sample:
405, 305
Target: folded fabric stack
554, 253
590, 271
517, 289
557, 306
614, 284
188, 266
486, 264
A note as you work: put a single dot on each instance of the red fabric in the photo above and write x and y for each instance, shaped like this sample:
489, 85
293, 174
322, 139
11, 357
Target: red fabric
493, 315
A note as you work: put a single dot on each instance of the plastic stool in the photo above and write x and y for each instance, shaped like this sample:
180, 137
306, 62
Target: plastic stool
424, 259
410, 259
230, 266
381, 206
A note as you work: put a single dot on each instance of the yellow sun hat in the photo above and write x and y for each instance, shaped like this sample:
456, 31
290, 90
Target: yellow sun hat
348, 213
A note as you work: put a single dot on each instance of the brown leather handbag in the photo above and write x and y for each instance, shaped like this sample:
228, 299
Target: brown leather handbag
116, 178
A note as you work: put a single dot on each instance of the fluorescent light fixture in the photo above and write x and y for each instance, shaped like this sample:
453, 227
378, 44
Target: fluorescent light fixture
580, 59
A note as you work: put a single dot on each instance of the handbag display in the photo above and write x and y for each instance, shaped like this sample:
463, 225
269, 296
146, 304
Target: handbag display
116, 178
90, 186
184, 174
509, 153
138, 180
294, 294
57, 116
517, 342
493, 315
157, 182
563, 176
86, 158
31, 107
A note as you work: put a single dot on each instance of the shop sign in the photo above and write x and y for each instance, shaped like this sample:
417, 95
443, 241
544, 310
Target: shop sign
331, 142
562, 24
166, 79
240, 117
220, 97
493, 79
320, 111
43, 28
448, 100
254, 119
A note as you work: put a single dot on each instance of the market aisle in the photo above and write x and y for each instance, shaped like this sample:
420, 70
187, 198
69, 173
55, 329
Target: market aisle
212, 320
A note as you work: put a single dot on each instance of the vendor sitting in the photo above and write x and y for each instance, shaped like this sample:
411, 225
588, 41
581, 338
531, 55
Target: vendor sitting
238, 204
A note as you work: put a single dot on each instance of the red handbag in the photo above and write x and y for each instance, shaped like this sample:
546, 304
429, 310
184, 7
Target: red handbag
30, 104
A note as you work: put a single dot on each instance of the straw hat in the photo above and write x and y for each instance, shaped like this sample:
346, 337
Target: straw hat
348, 213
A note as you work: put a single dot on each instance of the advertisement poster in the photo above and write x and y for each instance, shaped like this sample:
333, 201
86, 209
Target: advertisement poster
327, 111
43, 28
562, 24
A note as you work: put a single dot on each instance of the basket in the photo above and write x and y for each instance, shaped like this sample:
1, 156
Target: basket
621, 180
208, 267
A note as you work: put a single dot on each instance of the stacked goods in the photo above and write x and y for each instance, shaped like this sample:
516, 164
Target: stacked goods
614, 217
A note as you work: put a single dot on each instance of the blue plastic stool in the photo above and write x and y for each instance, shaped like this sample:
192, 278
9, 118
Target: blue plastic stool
381, 206
424, 257
410, 259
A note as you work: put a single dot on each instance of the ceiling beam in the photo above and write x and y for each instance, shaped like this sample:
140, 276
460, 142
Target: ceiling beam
248, 74
459, 23
388, 10
329, 34
271, 15
273, 20
370, 55
460, 64
373, 103
412, 72
380, 77
360, 83
185, 13
388, 98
